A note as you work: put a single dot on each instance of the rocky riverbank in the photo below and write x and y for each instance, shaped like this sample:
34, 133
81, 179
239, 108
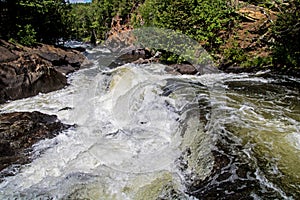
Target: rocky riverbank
25, 71
18, 132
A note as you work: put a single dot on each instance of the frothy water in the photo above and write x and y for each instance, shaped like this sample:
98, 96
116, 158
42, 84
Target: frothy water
129, 135
145, 134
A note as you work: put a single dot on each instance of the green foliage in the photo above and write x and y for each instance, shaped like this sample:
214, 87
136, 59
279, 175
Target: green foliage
168, 57
49, 18
98, 16
235, 54
37, 20
270, 4
202, 20
258, 62
205, 21
27, 35
172, 44
286, 51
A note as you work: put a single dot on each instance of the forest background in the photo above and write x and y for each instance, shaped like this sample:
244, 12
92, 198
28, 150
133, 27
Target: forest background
253, 33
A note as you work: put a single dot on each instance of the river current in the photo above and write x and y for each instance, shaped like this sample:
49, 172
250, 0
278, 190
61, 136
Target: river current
142, 133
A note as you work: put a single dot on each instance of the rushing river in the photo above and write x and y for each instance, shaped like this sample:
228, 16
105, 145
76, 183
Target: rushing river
143, 133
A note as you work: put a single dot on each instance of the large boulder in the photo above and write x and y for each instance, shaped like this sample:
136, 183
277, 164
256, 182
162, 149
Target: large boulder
19, 131
18, 80
25, 71
59, 56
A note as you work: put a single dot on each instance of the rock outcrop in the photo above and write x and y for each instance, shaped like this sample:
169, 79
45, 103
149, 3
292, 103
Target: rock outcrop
25, 71
19, 131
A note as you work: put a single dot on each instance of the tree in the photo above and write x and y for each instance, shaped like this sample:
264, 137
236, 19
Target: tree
48, 18
7, 18
202, 20
98, 16
286, 30
35, 20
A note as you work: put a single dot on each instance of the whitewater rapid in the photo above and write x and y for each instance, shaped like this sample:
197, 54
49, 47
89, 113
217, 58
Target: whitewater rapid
142, 133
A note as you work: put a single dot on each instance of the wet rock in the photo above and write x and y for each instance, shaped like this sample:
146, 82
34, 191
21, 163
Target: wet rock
228, 68
19, 131
131, 55
65, 69
80, 49
122, 42
189, 69
185, 69
25, 71
59, 56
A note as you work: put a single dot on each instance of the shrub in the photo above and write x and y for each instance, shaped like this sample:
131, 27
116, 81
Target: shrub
27, 35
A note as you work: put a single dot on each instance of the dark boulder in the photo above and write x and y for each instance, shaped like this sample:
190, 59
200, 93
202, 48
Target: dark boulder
59, 56
25, 71
131, 54
27, 77
19, 131
185, 69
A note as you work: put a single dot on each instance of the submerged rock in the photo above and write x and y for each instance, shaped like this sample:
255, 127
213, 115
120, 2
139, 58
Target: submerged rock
19, 131
25, 71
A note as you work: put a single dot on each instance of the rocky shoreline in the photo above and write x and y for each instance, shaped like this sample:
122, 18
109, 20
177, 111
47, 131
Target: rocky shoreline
26, 72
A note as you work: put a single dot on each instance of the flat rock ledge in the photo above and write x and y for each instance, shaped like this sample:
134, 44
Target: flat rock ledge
18, 132
26, 72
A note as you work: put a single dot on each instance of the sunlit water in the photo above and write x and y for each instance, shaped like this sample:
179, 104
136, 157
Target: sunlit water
145, 134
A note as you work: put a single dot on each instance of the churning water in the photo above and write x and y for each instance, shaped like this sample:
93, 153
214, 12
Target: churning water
145, 134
